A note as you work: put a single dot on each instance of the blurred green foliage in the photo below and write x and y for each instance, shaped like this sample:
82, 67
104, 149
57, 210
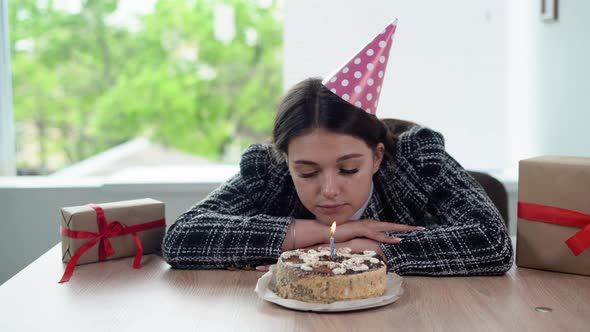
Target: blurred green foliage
83, 84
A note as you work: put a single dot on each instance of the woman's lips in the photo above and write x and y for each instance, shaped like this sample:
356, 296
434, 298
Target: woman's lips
331, 208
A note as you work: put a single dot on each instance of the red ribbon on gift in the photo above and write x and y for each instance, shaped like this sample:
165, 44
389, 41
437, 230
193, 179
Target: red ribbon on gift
106, 230
536, 212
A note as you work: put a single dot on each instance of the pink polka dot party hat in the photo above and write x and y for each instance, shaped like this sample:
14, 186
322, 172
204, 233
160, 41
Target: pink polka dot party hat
359, 80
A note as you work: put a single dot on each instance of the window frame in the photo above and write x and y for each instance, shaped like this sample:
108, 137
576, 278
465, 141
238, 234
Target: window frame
7, 145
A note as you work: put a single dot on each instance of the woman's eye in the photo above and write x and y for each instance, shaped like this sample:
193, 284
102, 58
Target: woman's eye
348, 171
308, 175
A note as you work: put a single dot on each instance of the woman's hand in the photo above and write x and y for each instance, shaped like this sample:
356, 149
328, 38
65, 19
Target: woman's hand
359, 235
263, 268
371, 229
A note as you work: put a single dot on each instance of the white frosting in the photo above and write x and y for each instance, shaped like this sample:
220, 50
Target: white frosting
289, 254
361, 267
311, 259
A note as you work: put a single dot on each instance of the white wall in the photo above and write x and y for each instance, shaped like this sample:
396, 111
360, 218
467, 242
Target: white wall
562, 81
446, 68
548, 74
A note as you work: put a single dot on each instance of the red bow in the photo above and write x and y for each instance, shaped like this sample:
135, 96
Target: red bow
579, 241
105, 231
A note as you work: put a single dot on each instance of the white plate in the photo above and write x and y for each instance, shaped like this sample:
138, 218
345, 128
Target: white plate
393, 291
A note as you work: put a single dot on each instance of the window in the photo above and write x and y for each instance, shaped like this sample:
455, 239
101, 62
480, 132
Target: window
184, 81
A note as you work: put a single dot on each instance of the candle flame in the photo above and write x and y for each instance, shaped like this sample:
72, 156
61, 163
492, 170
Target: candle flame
333, 228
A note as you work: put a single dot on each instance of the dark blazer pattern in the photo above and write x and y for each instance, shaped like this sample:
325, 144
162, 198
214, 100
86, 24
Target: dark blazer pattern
243, 223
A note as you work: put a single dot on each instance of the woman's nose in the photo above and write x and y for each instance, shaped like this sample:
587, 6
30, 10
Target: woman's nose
330, 187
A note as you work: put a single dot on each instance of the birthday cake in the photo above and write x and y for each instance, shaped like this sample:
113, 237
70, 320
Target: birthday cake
316, 276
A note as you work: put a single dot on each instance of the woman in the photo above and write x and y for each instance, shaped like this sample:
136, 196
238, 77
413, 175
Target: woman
403, 197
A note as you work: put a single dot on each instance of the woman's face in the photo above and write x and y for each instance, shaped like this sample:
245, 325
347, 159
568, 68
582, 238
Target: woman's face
332, 173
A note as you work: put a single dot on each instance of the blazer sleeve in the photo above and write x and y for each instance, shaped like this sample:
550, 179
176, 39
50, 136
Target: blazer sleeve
226, 229
469, 236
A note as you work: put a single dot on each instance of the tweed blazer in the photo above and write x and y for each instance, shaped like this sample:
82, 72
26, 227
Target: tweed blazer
243, 223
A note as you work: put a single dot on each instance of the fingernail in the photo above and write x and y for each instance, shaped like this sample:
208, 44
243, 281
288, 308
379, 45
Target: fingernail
259, 268
420, 228
398, 240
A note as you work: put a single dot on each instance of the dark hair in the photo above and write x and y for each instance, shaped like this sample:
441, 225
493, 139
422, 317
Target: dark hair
310, 105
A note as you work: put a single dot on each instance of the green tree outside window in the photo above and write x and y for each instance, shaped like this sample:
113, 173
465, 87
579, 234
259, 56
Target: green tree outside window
199, 76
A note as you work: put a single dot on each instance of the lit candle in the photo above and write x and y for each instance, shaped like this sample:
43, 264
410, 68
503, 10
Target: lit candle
332, 231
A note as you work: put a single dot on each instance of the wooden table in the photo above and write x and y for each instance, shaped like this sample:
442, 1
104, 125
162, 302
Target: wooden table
111, 296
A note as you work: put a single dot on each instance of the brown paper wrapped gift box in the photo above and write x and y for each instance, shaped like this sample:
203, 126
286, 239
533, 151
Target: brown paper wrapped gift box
133, 212
555, 181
